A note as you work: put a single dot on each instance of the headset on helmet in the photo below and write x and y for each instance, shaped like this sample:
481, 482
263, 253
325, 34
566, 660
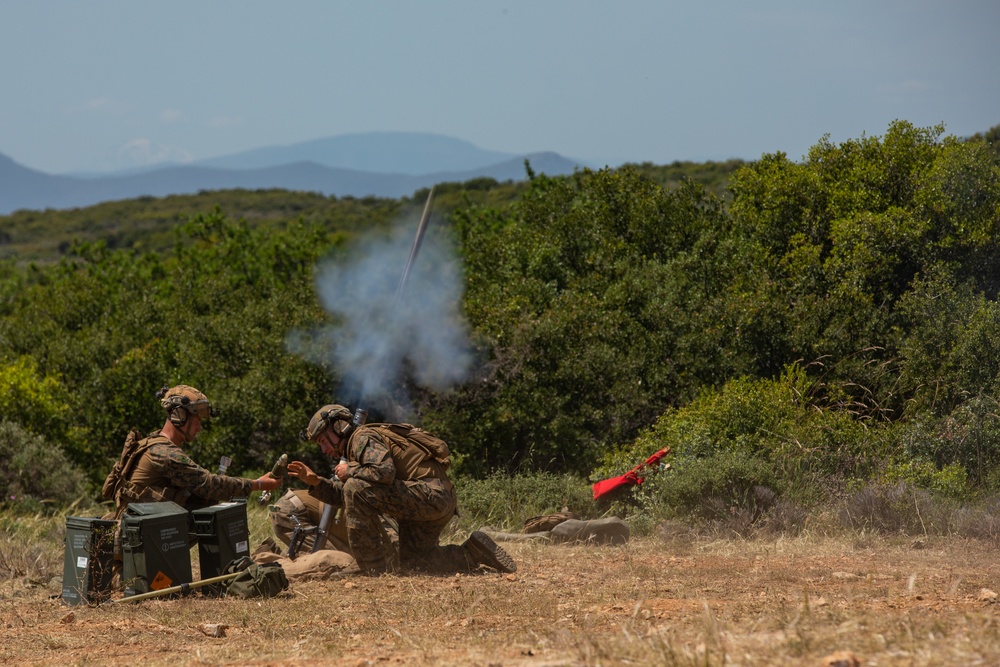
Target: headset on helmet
182, 400
333, 416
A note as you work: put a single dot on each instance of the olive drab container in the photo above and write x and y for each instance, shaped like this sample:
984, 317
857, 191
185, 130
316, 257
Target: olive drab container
156, 547
89, 561
223, 536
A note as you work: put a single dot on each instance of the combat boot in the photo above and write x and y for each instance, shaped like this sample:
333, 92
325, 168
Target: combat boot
374, 568
484, 551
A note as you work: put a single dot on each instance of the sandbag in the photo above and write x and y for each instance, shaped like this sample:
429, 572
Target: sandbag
324, 564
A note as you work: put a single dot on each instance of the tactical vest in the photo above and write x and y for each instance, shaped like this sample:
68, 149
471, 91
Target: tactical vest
119, 485
416, 453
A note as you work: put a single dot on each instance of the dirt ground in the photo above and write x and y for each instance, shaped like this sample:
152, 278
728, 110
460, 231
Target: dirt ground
658, 600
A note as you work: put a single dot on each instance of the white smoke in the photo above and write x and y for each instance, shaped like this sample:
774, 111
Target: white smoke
376, 337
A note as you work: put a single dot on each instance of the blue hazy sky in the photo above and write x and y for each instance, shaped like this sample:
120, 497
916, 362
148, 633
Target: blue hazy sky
109, 84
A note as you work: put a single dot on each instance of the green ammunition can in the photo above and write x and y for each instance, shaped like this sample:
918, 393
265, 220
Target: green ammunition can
156, 547
89, 560
223, 536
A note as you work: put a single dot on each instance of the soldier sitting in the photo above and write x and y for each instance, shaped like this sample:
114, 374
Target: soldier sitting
156, 469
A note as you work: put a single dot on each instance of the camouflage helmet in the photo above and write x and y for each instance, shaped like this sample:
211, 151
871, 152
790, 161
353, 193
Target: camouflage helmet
334, 416
190, 399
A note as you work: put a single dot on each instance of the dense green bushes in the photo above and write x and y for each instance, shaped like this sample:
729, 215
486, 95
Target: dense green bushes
35, 473
109, 328
752, 434
830, 323
36, 403
759, 445
580, 294
873, 263
506, 502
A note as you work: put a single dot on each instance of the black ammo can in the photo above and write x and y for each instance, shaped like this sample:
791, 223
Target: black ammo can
89, 560
156, 547
223, 536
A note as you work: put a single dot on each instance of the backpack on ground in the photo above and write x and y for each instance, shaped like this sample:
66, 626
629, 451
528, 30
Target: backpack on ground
255, 580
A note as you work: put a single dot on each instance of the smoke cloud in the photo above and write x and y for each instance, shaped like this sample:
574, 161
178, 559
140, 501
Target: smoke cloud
377, 339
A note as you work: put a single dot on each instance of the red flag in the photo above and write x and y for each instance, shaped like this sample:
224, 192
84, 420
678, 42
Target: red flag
631, 477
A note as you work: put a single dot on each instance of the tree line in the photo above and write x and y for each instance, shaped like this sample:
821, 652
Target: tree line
822, 321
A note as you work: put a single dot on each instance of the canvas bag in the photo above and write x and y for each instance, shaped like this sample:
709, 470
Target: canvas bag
124, 466
256, 580
415, 452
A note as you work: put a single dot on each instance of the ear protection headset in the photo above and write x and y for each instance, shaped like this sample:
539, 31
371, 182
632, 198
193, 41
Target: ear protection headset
179, 406
335, 417
171, 405
339, 426
179, 417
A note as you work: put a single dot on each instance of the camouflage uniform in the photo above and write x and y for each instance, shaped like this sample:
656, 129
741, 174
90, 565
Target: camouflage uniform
422, 503
307, 512
165, 473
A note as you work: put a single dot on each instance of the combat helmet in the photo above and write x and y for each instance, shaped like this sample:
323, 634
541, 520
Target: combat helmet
182, 400
337, 417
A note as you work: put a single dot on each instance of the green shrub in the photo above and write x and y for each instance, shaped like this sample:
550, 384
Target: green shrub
36, 473
968, 439
507, 502
30, 399
733, 448
712, 488
951, 481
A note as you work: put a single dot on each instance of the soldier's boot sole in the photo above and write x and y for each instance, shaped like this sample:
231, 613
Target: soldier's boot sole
487, 552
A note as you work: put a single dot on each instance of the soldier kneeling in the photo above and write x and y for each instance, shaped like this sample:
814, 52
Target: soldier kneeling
396, 471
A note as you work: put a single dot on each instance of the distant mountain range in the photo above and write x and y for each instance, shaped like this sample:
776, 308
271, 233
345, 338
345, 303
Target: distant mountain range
381, 164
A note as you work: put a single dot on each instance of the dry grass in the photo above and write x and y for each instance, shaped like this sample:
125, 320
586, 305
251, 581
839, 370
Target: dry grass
669, 599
